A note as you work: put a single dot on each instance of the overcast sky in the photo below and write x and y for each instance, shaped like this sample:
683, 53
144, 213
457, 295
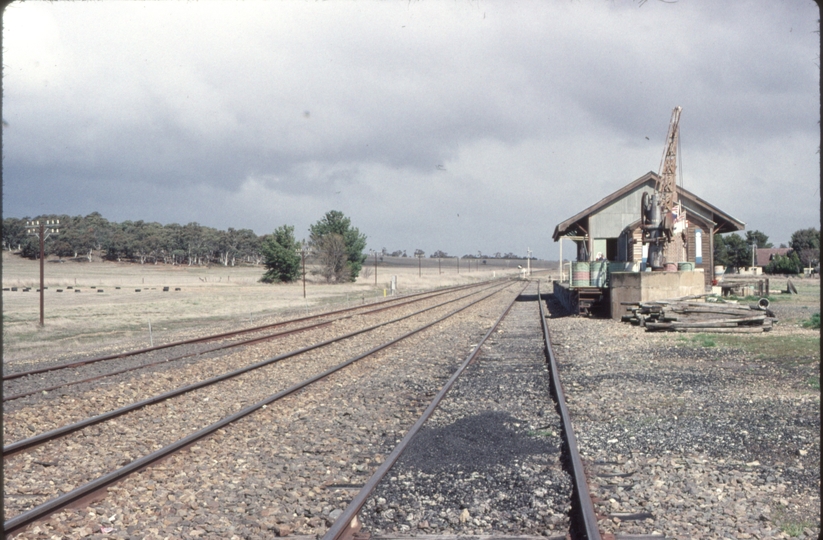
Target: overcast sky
455, 125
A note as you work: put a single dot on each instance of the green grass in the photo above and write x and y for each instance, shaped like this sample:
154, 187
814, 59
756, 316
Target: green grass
789, 522
814, 382
796, 348
793, 527
813, 322
542, 433
799, 347
699, 340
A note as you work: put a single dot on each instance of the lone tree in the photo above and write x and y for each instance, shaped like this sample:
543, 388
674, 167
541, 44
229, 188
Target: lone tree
331, 253
338, 264
280, 251
806, 243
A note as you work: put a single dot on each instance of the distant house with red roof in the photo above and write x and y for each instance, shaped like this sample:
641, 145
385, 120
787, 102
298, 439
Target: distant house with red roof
763, 256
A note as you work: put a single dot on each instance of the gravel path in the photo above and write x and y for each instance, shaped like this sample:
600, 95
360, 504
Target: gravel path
488, 461
711, 442
285, 469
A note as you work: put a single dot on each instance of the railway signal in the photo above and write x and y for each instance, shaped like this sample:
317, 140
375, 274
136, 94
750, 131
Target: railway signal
43, 229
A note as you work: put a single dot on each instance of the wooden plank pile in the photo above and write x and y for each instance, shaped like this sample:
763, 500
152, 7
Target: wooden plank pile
689, 316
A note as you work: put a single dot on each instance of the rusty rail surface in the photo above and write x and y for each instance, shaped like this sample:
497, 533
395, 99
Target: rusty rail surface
346, 523
42, 438
237, 343
585, 526
224, 335
172, 359
240, 343
89, 489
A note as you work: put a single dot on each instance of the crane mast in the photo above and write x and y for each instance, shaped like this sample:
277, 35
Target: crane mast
657, 211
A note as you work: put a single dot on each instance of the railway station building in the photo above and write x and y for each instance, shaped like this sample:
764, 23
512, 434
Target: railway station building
609, 230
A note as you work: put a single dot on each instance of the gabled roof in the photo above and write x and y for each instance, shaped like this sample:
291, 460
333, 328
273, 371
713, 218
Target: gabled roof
725, 222
764, 255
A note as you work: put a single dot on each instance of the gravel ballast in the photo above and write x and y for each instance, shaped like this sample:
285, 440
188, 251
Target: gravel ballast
489, 459
691, 441
285, 469
679, 440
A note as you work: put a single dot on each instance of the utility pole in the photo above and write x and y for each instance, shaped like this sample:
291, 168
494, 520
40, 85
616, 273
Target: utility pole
528, 261
375, 269
419, 265
303, 260
39, 228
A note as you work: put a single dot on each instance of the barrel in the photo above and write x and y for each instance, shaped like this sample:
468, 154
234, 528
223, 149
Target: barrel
670, 267
685, 266
580, 274
597, 272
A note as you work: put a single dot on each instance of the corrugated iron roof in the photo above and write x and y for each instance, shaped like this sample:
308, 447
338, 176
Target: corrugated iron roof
725, 222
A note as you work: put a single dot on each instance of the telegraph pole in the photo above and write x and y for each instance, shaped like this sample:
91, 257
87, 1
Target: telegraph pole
528, 261
375, 269
39, 228
303, 260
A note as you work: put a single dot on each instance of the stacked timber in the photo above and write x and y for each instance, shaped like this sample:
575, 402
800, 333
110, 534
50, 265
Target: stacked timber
684, 316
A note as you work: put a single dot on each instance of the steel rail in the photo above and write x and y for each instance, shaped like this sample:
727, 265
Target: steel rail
225, 346
62, 431
89, 489
346, 519
172, 359
581, 496
213, 337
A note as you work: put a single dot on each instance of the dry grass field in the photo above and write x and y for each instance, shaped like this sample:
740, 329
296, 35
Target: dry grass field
108, 313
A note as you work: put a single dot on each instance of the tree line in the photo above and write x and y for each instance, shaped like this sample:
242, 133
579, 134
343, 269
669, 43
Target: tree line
734, 250
85, 238
440, 254
334, 248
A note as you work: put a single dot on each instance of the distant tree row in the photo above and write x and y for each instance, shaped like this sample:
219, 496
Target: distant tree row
334, 248
440, 254
87, 237
734, 250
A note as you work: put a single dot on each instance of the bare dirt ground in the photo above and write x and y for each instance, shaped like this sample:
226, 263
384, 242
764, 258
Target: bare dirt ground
109, 313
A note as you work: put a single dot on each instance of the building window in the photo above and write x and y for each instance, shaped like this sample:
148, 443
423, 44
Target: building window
698, 246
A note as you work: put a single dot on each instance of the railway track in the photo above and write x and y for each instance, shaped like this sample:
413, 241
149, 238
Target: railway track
50, 456
20, 384
245, 368
306, 458
495, 459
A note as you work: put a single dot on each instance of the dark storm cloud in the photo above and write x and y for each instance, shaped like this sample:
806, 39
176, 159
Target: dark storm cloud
403, 115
